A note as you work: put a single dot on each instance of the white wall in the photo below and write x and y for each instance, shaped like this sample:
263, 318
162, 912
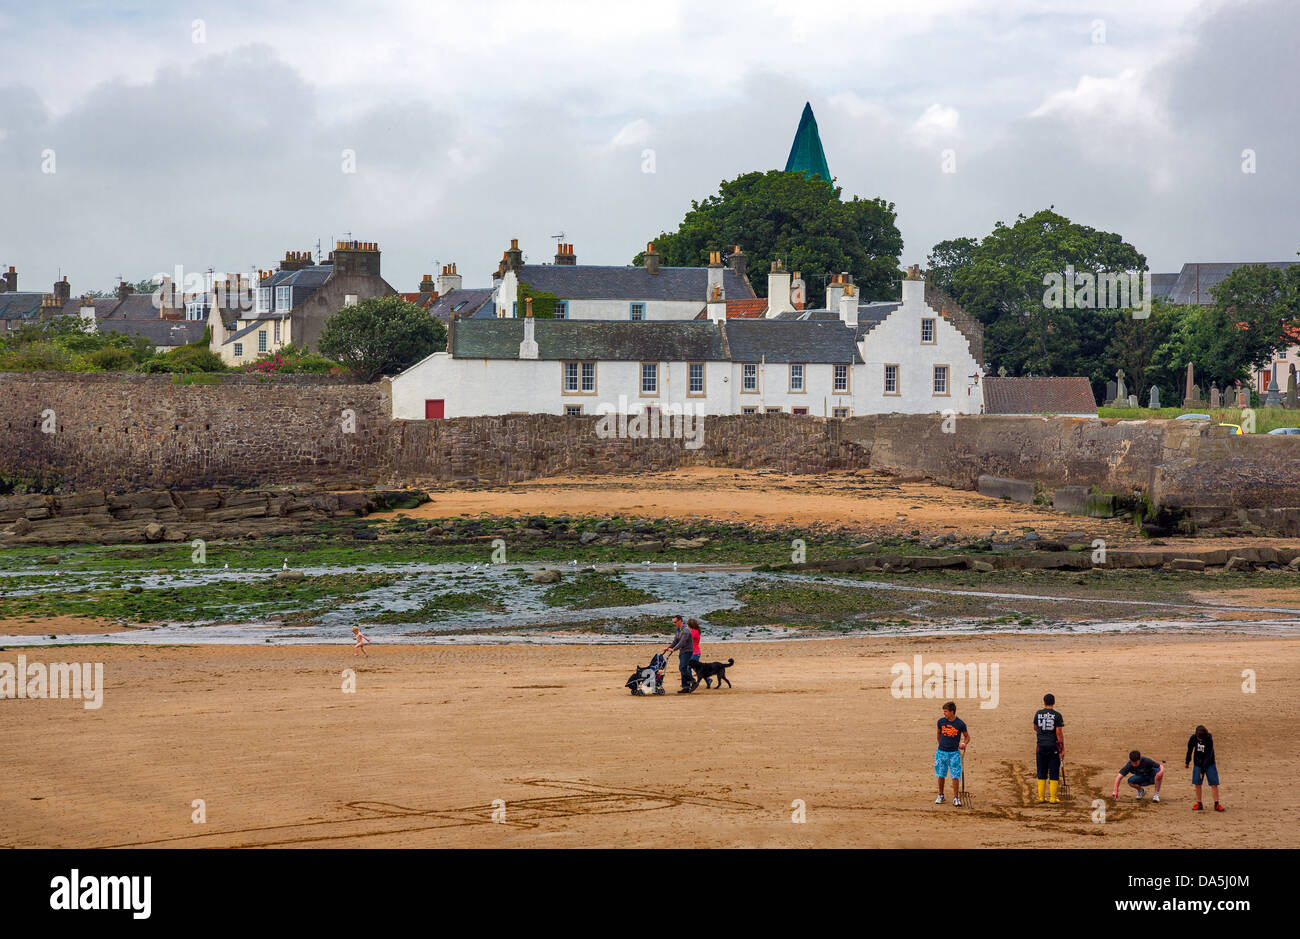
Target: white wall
897, 341
471, 387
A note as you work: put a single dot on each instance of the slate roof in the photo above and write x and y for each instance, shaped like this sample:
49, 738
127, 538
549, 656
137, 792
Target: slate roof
1162, 285
466, 302
19, 304
158, 332
303, 283
604, 340
777, 340
1038, 396
598, 282
1195, 279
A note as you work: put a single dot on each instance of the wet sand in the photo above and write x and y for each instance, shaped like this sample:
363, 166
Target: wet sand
434, 734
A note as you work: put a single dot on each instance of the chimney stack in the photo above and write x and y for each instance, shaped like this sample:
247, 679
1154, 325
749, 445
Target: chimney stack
427, 285
448, 280
356, 257
778, 291
62, 292
514, 257
87, 312
564, 255
11, 279
737, 261
849, 306
798, 292
834, 290
651, 259
914, 285
528, 348
124, 290
715, 276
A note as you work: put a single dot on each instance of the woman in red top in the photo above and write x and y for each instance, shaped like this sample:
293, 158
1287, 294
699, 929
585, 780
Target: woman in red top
694, 625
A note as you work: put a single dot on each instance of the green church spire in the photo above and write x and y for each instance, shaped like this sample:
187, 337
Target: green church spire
806, 155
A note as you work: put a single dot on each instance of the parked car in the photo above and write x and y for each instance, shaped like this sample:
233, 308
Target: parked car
1193, 417
1236, 428
1285, 432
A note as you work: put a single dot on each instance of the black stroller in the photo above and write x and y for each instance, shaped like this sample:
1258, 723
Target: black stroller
650, 679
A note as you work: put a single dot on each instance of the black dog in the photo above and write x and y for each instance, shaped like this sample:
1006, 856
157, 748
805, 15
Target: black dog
707, 671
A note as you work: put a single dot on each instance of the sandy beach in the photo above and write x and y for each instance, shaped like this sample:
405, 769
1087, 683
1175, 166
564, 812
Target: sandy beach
436, 740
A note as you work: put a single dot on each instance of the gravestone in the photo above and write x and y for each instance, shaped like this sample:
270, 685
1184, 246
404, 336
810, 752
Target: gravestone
1111, 391
1214, 397
1274, 398
1190, 394
1291, 400
1243, 396
1002, 371
1121, 393
1133, 401
1154, 403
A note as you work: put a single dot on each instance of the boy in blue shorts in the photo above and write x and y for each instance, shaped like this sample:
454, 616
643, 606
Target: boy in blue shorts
1200, 757
952, 738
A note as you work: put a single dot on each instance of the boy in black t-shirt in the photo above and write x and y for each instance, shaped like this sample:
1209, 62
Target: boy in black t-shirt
1200, 747
1051, 747
1145, 772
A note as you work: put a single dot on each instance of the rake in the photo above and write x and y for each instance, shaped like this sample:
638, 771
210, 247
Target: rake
967, 800
1065, 787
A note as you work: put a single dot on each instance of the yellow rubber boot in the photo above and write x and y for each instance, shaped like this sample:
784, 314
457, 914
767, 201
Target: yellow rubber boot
1054, 786
1042, 788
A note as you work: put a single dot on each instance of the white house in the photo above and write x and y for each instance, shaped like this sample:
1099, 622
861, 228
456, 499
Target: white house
909, 357
599, 292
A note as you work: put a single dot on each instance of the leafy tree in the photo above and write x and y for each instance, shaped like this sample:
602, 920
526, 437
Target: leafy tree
381, 336
1000, 281
798, 220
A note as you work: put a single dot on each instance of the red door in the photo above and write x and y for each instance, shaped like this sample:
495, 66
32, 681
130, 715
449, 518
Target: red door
433, 409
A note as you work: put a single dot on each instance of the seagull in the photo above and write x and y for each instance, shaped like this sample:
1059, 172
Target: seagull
645, 563
285, 565
227, 567
573, 563
674, 566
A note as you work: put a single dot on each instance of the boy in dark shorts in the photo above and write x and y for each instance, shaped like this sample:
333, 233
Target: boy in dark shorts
1200, 746
1142, 771
1050, 748
947, 758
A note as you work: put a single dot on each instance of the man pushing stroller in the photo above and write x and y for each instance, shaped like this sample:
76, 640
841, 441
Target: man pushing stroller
684, 645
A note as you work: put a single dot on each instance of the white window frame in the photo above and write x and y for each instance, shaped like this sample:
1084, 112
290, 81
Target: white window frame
748, 371
239, 350
898, 382
653, 375
800, 369
263, 299
690, 380
261, 341
588, 370
561, 309
947, 381
749, 410
933, 332
841, 413
570, 377
283, 299
573, 410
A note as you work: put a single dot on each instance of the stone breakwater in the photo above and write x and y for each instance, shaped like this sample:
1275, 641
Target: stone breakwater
122, 433
150, 515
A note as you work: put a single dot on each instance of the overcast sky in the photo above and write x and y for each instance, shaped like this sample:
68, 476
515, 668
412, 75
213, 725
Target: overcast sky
222, 142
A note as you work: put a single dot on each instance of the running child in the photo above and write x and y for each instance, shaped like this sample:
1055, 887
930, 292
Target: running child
949, 734
1145, 772
1201, 745
360, 641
